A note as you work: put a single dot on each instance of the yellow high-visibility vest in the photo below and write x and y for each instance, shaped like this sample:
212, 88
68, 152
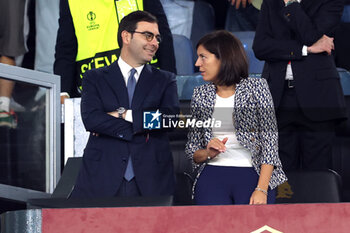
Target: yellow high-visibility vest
96, 24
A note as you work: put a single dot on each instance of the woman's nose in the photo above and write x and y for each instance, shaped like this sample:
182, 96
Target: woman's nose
198, 62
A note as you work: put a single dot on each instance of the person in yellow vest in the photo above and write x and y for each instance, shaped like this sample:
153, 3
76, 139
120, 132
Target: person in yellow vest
87, 33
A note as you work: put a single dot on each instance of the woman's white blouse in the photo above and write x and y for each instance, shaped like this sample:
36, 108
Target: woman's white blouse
235, 155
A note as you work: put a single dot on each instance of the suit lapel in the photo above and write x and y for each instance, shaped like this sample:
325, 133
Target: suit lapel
305, 4
280, 4
116, 81
143, 87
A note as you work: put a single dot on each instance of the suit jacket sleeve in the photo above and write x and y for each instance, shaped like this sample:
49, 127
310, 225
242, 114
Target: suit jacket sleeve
94, 117
269, 48
66, 50
169, 103
309, 30
268, 125
195, 134
165, 52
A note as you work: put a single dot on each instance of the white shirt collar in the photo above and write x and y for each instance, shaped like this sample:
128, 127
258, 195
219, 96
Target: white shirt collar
125, 68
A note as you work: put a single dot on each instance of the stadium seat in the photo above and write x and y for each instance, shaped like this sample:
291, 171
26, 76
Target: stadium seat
246, 37
346, 14
183, 55
60, 196
345, 80
66, 183
186, 84
319, 186
341, 145
343, 129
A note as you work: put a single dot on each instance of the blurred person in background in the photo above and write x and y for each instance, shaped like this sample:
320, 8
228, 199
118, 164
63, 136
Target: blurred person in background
295, 39
12, 45
244, 14
179, 25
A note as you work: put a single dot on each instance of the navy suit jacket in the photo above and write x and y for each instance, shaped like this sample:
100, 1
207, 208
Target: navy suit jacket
280, 35
106, 155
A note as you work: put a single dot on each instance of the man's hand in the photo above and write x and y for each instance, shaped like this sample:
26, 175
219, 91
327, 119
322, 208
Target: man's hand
63, 97
116, 114
324, 44
238, 3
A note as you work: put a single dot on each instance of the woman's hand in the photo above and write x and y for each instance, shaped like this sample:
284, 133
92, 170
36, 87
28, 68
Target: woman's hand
258, 198
216, 146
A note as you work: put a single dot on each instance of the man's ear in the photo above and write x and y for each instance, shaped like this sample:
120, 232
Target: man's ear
126, 37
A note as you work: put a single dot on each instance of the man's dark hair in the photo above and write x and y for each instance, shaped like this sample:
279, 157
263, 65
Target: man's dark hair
129, 23
229, 50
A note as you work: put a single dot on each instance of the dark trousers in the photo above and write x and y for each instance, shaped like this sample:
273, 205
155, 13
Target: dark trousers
128, 189
219, 185
303, 143
242, 19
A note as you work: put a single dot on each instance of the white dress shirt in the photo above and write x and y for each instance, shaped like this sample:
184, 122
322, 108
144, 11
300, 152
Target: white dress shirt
289, 72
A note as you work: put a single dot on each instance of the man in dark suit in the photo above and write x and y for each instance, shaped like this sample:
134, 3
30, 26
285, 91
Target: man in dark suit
294, 37
121, 157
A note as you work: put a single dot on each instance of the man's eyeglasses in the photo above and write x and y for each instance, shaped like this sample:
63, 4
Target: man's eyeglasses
149, 36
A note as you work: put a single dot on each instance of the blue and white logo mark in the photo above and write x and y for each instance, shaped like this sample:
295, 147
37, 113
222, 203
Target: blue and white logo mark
151, 120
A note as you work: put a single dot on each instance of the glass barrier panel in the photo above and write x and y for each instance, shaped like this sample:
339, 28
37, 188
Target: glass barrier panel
30, 132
